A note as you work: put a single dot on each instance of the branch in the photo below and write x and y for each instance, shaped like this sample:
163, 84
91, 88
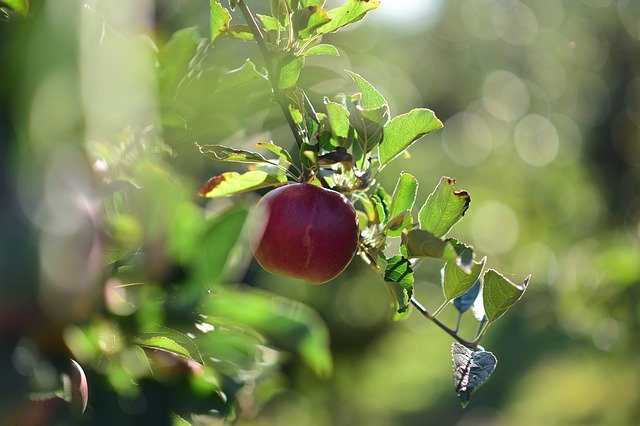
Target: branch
268, 57
436, 321
370, 260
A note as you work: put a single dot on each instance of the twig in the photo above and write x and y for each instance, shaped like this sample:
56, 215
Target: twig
268, 57
450, 332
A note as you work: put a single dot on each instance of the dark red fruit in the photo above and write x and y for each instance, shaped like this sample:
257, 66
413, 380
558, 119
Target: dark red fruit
309, 232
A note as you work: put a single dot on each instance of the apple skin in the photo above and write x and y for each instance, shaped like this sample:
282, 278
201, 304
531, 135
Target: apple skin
308, 232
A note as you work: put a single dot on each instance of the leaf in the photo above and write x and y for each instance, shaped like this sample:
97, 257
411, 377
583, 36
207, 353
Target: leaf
371, 98
369, 124
404, 194
404, 130
269, 22
307, 3
500, 293
349, 12
239, 32
225, 153
307, 20
289, 325
231, 183
323, 49
465, 301
290, 68
444, 208
421, 243
169, 340
471, 369
220, 18
399, 276
20, 6
284, 155
455, 281
338, 119
246, 74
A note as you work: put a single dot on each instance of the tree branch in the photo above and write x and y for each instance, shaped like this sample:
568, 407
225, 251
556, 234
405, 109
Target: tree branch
268, 57
436, 321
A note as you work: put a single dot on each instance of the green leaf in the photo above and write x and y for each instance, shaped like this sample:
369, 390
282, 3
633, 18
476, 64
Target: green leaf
349, 12
170, 341
290, 68
371, 98
399, 277
307, 20
338, 119
289, 325
269, 22
405, 129
421, 243
404, 194
246, 74
500, 293
455, 281
444, 208
471, 369
323, 49
225, 153
308, 3
20, 6
284, 155
369, 124
220, 18
239, 32
231, 183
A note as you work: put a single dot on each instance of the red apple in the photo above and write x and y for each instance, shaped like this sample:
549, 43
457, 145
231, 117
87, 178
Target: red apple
308, 232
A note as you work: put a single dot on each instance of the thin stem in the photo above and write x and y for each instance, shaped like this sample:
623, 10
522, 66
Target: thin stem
268, 57
440, 308
425, 313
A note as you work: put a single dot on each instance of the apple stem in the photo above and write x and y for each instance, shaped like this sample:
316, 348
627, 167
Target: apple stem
268, 57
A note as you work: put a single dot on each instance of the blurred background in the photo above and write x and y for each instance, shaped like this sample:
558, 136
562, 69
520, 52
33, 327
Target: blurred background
541, 105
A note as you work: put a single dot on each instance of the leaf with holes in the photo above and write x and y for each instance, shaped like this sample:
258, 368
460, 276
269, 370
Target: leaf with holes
231, 183
444, 208
471, 369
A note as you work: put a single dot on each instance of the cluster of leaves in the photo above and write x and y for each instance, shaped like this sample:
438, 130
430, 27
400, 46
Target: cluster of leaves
344, 147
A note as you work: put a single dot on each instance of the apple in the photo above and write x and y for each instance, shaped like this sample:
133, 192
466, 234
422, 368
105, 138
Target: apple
307, 232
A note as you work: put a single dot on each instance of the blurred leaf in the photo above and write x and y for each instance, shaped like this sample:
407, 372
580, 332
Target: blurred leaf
307, 20
444, 208
405, 129
347, 13
20, 6
307, 3
225, 153
231, 183
239, 32
284, 155
323, 49
171, 341
399, 277
371, 98
463, 302
269, 22
288, 324
220, 18
215, 247
176, 420
499, 294
456, 281
240, 76
290, 68
471, 369
232, 343
126, 237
